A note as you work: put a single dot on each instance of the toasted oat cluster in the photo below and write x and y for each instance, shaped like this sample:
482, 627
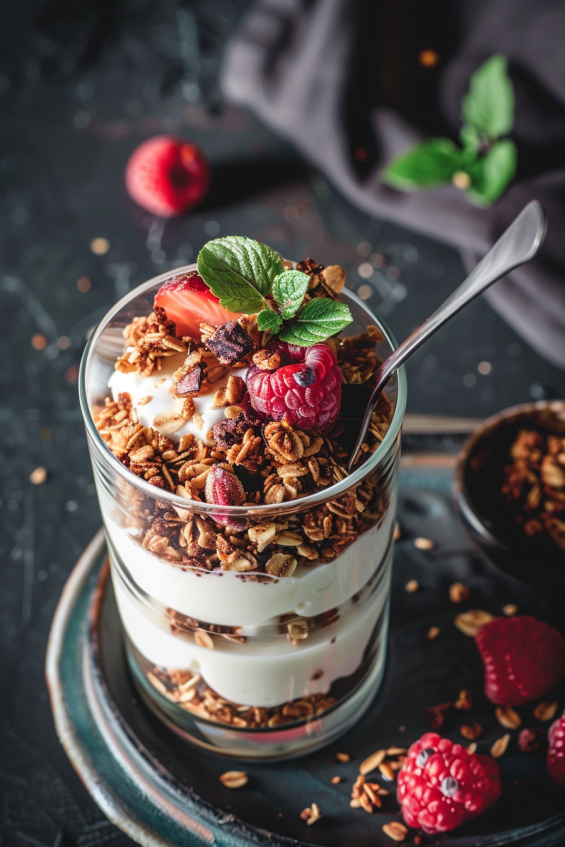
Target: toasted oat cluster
189, 691
149, 340
535, 481
246, 459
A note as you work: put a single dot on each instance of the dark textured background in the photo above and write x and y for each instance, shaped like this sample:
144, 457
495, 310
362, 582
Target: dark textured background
81, 84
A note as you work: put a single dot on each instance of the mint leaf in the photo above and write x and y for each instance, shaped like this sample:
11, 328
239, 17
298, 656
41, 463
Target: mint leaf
289, 289
240, 271
267, 319
470, 138
430, 163
491, 174
489, 103
319, 319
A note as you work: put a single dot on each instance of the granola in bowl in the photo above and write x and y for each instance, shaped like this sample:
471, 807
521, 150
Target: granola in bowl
510, 490
233, 503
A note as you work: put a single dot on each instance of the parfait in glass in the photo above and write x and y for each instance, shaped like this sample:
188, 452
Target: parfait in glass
251, 570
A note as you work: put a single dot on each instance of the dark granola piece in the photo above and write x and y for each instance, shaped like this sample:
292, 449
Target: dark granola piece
435, 715
309, 266
191, 381
196, 557
188, 379
527, 740
324, 281
230, 343
230, 432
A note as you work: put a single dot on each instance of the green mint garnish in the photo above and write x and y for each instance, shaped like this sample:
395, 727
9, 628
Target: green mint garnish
486, 163
489, 103
289, 289
319, 319
240, 272
430, 163
267, 319
247, 276
491, 173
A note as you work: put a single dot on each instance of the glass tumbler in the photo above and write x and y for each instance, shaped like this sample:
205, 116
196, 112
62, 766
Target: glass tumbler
249, 664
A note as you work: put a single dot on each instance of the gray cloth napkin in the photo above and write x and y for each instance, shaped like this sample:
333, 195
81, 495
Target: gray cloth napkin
290, 63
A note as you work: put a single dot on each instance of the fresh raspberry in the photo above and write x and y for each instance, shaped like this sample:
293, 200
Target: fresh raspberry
188, 302
225, 489
556, 752
441, 785
305, 391
167, 176
523, 658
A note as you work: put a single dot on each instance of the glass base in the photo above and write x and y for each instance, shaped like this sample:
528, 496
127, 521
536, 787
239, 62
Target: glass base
277, 744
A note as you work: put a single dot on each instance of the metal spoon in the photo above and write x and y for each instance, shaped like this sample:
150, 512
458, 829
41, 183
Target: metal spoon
517, 245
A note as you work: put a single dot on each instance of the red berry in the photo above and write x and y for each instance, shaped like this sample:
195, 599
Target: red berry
441, 785
188, 302
523, 659
556, 752
527, 740
167, 176
306, 393
225, 489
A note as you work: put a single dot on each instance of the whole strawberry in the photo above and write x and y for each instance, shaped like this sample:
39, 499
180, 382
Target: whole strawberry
556, 752
167, 176
523, 659
305, 391
441, 785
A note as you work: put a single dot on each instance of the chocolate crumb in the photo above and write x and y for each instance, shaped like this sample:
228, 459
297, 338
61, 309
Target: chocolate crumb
230, 432
527, 740
230, 343
435, 715
191, 381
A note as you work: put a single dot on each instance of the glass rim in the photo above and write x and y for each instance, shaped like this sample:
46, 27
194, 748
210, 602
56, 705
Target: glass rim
318, 498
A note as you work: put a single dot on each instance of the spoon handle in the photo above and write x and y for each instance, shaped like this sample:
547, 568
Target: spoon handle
518, 244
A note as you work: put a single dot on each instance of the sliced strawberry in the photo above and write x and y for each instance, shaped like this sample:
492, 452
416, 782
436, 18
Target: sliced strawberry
188, 302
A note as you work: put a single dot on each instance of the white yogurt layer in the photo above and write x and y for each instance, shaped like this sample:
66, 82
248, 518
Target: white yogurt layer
224, 597
262, 673
157, 388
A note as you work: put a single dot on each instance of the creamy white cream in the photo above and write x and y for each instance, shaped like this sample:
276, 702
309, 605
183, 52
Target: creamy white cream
261, 673
158, 386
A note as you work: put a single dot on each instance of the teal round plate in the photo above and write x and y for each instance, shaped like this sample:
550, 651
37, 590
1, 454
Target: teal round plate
162, 791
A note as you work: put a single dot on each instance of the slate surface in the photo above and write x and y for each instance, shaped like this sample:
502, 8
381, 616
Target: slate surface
81, 84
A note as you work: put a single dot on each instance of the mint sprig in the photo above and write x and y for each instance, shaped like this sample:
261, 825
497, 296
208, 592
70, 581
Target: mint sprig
240, 272
489, 104
319, 319
486, 163
249, 277
427, 165
289, 289
269, 320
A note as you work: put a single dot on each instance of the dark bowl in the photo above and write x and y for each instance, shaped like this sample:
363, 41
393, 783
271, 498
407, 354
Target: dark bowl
487, 515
